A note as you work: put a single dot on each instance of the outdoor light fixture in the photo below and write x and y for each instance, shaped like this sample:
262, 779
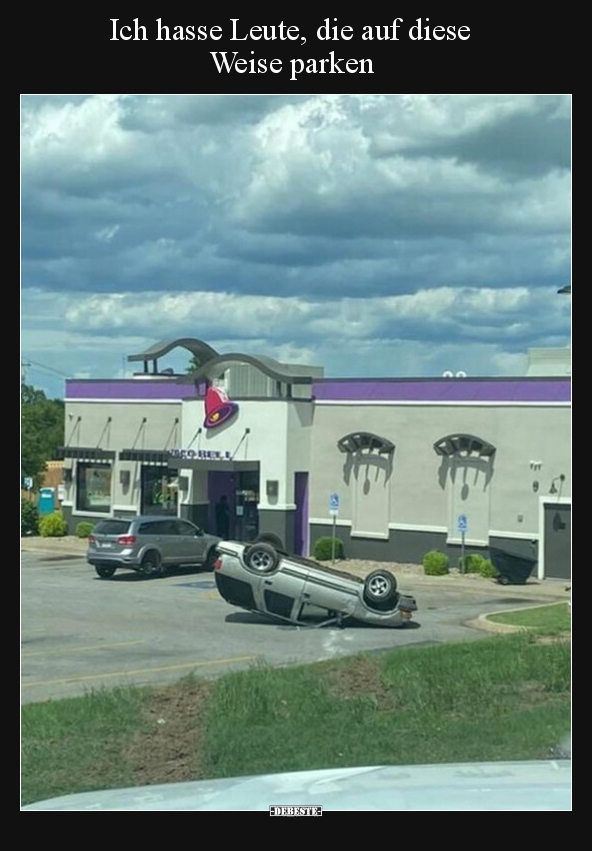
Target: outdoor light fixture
553, 488
566, 290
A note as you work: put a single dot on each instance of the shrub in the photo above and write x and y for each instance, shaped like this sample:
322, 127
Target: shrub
53, 526
471, 563
323, 549
475, 563
435, 563
487, 569
29, 518
84, 529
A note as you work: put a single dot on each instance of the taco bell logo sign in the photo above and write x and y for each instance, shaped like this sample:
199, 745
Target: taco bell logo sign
219, 408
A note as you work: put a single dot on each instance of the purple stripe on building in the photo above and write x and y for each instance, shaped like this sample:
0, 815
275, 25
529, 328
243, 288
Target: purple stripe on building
362, 390
142, 389
454, 390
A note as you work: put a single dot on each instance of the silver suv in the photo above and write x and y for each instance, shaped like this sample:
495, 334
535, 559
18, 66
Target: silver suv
149, 545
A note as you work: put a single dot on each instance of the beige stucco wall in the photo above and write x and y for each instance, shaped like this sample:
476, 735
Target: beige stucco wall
418, 496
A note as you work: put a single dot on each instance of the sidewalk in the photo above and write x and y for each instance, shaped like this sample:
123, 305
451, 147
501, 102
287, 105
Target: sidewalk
69, 545
410, 578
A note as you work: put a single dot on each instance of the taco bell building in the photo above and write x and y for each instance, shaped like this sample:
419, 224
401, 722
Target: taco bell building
407, 458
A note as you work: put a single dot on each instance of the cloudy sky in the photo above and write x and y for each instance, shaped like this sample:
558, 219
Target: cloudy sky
382, 235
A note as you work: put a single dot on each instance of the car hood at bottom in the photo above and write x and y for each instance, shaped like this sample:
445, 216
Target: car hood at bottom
544, 785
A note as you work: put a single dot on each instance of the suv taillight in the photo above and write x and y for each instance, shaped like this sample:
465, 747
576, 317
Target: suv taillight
126, 540
218, 564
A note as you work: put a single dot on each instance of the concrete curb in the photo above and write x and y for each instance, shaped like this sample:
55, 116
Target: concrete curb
483, 622
486, 625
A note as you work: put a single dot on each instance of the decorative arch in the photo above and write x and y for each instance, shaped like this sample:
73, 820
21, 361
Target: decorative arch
215, 366
201, 351
358, 441
466, 469
464, 445
367, 471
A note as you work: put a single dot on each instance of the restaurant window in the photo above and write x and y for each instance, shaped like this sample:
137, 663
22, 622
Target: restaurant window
93, 487
159, 490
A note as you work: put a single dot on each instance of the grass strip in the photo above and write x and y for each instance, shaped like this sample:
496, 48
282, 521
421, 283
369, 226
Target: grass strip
551, 619
500, 698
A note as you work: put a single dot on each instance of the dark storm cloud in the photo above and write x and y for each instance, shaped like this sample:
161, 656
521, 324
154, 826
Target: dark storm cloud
522, 144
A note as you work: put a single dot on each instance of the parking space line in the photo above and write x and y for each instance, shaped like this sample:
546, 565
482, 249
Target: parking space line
65, 680
80, 649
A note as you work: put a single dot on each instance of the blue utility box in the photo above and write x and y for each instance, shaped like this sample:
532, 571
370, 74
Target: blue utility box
46, 504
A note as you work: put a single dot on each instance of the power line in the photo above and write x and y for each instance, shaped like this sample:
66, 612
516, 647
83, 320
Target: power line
44, 366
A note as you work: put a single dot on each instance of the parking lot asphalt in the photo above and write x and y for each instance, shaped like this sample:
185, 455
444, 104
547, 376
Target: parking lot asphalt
80, 632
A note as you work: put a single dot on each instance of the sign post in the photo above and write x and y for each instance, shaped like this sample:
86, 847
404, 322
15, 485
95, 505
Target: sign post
333, 511
463, 525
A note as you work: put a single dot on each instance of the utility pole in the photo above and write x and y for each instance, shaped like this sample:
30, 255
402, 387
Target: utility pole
24, 365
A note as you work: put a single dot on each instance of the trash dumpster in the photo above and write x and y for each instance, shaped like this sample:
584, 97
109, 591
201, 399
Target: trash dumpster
512, 569
46, 503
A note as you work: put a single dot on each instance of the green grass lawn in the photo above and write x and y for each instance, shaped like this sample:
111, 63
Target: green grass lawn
499, 698
551, 619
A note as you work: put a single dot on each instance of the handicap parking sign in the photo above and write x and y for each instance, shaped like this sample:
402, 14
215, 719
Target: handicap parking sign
462, 523
334, 503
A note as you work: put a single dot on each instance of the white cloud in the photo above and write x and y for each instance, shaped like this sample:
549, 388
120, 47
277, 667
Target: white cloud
493, 314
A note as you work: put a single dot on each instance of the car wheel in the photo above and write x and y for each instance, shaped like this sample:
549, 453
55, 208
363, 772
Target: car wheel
380, 589
261, 558
270, 538
503, 580
152, 564
105, 571
210, 559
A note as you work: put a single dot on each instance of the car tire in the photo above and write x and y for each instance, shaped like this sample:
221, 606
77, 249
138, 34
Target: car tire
152, 565
210, 559
380, 590
270, 538
503, 580
261, 558
105, 571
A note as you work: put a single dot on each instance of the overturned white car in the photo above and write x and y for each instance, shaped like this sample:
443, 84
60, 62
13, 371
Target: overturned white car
261, 578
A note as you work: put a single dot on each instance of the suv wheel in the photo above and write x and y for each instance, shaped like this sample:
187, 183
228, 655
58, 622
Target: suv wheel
261, 558
105, 571
210, 559
152, 564
380, 590
270, 538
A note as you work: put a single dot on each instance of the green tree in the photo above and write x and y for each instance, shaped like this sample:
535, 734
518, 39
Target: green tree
193, 365
42, 430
